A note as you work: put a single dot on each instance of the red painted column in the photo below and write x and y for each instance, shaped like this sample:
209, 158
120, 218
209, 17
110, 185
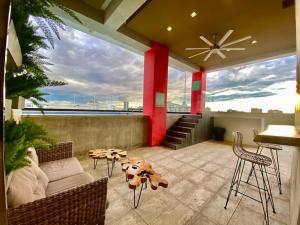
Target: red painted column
198, 92
155, 92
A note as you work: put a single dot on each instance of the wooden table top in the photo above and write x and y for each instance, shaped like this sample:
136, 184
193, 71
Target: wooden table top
139, 170
109, 154
279, 134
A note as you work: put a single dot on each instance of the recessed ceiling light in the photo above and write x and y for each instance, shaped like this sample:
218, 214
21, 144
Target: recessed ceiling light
254, 42
169, 28
227, 50
193, 14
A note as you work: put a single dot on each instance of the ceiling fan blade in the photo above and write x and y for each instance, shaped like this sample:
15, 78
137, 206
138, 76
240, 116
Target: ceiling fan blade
208, 55
220, 54
233, 49
198, 54
206, 41
196, 49
224, 38
236, 41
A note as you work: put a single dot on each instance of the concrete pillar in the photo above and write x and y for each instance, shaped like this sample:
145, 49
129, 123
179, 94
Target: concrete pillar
198, 92
4, 18
155, 92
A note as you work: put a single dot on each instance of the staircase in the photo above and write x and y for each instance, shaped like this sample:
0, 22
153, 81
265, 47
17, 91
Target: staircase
184, 132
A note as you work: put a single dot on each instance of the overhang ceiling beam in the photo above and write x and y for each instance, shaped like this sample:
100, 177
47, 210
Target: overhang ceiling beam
84, 9
105, 4
118, 11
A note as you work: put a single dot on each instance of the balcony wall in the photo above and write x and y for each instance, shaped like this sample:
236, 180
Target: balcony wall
104, 131
244, 122
88, 132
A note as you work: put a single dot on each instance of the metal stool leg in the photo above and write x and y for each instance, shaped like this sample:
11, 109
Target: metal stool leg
269, 189
233, 181
258, 151
263, 203
276, 168
239, 178
279, 176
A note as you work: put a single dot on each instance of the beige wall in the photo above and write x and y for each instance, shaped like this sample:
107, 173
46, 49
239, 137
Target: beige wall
172, 118
244, 122
88, 132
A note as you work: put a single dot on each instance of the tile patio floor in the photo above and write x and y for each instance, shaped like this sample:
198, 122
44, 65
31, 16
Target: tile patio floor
199, 177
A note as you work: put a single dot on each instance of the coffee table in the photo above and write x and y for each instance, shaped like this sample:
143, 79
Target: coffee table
111, 155
138, 171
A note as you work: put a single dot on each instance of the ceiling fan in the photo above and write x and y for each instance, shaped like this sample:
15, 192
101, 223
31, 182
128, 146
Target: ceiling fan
218, 47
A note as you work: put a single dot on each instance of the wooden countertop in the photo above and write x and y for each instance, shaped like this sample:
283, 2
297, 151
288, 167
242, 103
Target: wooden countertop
279, 134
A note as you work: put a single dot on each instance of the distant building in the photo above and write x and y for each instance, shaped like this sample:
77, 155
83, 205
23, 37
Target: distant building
256, 110
125, 105
232, 110
274, 111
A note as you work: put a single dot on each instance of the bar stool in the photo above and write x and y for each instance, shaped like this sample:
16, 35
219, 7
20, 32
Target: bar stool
256, 160
272, 148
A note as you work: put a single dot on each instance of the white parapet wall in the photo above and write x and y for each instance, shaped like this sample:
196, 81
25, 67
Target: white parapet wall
245, 122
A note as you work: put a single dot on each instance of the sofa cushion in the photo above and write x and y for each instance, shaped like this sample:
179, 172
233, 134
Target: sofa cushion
33, 155
68, 183
59, 169
40, 175
24, 187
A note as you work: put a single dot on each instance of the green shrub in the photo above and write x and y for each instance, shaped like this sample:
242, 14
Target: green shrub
18, 138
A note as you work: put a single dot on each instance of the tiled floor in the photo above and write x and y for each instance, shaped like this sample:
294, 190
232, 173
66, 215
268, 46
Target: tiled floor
199, 178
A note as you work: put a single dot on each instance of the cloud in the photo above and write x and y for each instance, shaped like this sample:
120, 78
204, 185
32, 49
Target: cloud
96, 69
256, 78
93, 67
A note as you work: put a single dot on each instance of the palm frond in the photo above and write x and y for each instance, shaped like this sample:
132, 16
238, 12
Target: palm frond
43, 26
53, 27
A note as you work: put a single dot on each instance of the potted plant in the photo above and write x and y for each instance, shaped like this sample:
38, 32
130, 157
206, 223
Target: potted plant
18, 138
218, 133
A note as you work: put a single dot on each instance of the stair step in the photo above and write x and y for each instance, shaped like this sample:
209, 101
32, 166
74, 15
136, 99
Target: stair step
193, 116
189, 120
177, 133
171, 145
186, 124
173, 139
182, 129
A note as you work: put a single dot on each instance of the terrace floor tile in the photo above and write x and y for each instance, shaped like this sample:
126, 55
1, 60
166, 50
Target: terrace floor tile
199, 177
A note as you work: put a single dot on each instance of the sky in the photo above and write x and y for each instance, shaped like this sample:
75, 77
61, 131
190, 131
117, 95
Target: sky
96, 70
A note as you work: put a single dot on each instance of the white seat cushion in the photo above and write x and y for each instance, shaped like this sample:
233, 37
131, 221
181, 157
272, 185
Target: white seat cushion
40, 175
24, 187
68, 183
60, 169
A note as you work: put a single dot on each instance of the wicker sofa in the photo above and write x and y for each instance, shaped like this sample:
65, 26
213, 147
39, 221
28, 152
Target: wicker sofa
80, 200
